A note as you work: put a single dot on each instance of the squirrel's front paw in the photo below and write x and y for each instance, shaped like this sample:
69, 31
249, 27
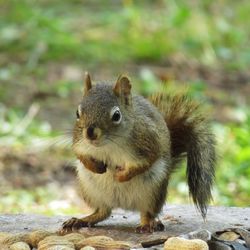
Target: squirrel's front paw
99, 166
93, 165
73, 224
122, 174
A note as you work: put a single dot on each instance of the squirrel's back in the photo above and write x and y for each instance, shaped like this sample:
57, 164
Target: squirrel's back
151, 116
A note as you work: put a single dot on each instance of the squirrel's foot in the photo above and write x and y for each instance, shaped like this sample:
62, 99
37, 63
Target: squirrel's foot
74, 224
150, 228
89, 221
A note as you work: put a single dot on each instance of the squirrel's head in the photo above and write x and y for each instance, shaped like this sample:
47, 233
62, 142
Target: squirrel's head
104, 114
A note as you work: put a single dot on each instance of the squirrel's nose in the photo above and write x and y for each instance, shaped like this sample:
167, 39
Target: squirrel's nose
91, 135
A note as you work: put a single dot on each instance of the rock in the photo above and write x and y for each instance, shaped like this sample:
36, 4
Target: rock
153, 243
121, 224
199, 234
216, 245
244, 233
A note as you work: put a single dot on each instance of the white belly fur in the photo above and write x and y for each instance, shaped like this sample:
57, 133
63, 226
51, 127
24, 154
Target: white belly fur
136, 194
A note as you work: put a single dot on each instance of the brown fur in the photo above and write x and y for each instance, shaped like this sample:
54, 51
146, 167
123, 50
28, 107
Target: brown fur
190, 135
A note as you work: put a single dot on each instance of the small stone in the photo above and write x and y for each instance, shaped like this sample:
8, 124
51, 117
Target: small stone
199, 234
242, 242
216, 245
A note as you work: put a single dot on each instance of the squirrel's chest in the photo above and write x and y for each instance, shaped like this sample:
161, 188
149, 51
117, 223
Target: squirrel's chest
136, 194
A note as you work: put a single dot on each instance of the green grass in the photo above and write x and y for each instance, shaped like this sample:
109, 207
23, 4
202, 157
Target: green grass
38, 39
18, 129
233, 168
36, 32
40, 200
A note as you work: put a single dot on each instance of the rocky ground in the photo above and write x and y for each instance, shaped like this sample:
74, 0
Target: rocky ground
178, 220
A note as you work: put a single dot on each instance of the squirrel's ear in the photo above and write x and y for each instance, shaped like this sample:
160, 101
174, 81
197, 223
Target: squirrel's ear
87, 83
122, 88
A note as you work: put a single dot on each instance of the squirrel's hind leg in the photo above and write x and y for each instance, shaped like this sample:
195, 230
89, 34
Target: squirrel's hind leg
73, 224
149, 224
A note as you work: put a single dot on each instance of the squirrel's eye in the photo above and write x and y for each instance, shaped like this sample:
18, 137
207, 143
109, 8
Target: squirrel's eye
116, 115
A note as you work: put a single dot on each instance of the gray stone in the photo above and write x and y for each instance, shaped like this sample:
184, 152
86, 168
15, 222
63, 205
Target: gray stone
202, 234
120, 227
215, 245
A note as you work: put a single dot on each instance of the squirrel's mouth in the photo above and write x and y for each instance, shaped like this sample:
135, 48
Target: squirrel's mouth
101, 141
95, 143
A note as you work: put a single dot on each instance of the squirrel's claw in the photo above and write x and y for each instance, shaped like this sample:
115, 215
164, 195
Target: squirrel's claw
144, 229
150, 228
73, 224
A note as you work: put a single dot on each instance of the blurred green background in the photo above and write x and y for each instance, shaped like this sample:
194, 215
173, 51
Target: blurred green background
45, 47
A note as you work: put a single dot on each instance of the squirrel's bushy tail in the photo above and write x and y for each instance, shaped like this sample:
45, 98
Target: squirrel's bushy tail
190, 134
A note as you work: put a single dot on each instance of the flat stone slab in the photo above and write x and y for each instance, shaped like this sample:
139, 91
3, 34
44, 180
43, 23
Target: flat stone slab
178, 219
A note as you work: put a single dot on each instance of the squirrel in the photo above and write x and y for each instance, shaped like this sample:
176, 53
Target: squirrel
128, 147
